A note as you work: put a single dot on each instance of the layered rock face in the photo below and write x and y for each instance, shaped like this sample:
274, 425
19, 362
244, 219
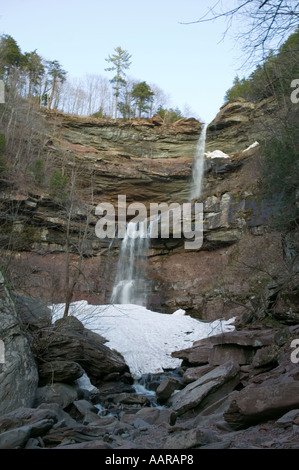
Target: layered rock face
18, 369
148, 161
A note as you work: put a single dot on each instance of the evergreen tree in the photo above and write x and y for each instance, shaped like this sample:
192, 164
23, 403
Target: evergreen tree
142, 95
120, 62
57, 76
32, 63
10, 55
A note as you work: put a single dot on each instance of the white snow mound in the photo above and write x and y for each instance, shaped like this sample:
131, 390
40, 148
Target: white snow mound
146, 339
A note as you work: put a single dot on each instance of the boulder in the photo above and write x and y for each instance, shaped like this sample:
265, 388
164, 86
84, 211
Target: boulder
62, 394
197, 355
166, 388
267, 356
70, 340
252, 338
59, 371
156, 416
16, 438
33, 313
194, 394
290, 418
27, 416
223, 353
258, 404
190, 439
194, 373
18, 370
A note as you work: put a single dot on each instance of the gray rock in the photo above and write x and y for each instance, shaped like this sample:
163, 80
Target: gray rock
156, 416
15, 438
194, 373
190, 439
166, 388
59, 371
288, 419
34, 313
193, 394
18, 374
266, 356
62, 394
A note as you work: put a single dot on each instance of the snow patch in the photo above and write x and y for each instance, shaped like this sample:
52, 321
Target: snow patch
252, 146
145, 338
217, 154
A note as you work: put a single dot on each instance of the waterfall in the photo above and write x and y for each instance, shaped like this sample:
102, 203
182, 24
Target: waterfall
198, 165
130, 283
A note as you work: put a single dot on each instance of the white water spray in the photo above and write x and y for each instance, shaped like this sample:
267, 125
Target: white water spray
130, 283
198, 165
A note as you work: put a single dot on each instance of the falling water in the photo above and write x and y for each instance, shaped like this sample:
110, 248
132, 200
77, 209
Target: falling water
130, 284
198, 165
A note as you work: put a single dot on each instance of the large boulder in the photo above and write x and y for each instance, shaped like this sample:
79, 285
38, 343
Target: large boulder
18, 371
70, 340
258, 404
207, 389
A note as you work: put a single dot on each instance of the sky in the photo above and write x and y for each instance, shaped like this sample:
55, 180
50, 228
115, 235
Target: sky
192, 63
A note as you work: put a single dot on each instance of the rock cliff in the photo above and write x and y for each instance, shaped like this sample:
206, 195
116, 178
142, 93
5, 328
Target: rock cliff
149, 161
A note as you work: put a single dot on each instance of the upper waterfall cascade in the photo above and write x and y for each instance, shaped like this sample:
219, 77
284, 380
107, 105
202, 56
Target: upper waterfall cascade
198, 165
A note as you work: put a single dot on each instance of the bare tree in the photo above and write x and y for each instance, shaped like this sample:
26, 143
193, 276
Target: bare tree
265, 24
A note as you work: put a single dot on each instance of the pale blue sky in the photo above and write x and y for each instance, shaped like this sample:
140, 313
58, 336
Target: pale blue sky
187, 61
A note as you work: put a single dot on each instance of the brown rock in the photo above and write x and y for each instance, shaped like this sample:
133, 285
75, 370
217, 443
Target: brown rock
69, 340
258, 404
223, 353
197, 355
156, 416
194, 373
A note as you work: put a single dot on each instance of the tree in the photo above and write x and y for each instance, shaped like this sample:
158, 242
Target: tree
262, 22
10, 55
57, 76
32, 63
142, 95
120, 62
